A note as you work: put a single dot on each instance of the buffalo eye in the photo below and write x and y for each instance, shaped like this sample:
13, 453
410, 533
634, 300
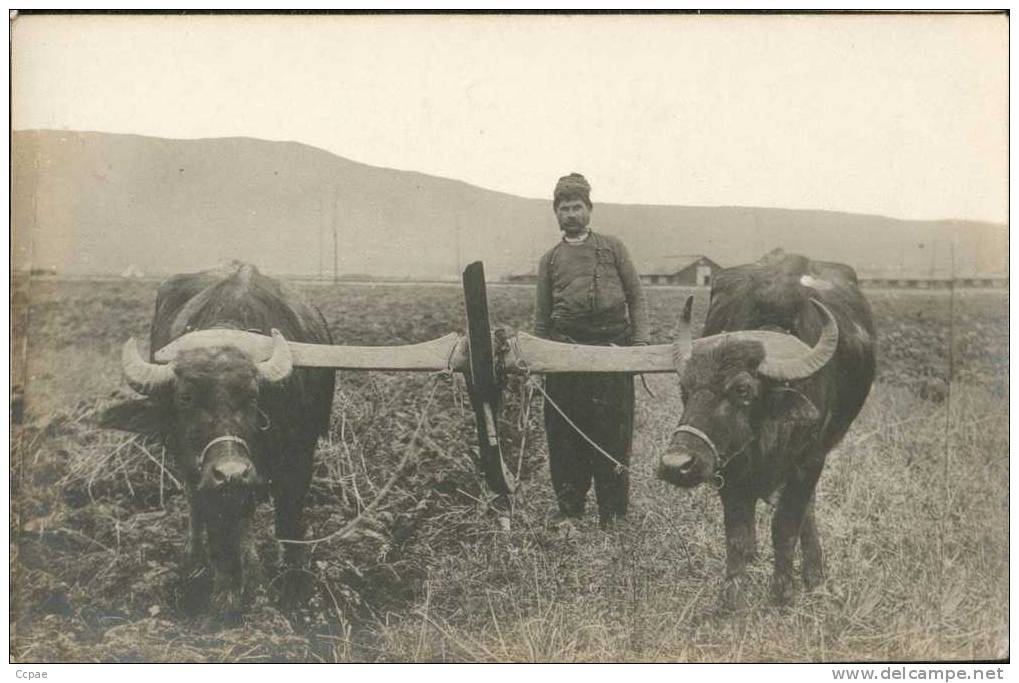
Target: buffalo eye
184, 398
743, 393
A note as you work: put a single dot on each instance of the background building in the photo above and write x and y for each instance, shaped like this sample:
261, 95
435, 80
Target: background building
693, 270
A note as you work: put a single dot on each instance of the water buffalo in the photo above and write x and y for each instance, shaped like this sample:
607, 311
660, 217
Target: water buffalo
235, 424
785, 364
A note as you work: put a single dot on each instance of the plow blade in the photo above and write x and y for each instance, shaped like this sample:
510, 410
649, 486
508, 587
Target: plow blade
483, 382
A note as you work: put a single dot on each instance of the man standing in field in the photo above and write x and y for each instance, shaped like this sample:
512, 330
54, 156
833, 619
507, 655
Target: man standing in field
588, 293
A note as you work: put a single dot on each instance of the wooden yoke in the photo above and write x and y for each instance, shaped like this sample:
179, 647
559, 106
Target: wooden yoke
444, 353
482, 357
527, 353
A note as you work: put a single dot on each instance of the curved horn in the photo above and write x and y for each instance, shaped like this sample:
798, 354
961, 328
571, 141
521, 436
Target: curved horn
143, 377
783, 361
682, 344
280, 364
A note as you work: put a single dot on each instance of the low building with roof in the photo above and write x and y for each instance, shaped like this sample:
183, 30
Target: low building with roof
879, 278
692, 270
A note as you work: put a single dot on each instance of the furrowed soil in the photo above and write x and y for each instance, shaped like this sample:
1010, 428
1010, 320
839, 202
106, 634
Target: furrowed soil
912, 509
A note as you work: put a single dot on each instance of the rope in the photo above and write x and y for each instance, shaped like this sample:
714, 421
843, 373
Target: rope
643, 382
408, 452
524, 426
449, 369
620, 467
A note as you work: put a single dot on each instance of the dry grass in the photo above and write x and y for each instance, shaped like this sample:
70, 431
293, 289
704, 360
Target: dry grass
912, 510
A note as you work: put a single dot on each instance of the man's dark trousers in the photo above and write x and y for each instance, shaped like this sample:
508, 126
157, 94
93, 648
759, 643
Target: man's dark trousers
601, 405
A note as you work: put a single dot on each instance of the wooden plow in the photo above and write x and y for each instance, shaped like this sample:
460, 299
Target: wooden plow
483, 356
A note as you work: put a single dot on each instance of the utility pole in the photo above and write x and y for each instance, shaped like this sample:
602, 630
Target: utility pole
946, 490
318, 231
459, 246
336, 265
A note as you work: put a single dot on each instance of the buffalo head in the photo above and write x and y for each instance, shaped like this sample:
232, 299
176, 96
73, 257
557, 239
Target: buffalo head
735, 400
205, 405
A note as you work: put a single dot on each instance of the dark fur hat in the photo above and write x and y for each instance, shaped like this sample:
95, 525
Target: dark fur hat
572, 186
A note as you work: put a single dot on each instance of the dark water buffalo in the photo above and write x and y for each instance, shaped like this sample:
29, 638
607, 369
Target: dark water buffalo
235, 425
764, 404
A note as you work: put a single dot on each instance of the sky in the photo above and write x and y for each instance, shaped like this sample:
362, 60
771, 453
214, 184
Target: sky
904, 116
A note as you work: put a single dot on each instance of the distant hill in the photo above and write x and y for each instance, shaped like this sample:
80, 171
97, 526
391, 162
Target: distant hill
100, 203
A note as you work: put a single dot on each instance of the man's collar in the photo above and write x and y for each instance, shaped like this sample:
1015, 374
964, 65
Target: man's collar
577, 240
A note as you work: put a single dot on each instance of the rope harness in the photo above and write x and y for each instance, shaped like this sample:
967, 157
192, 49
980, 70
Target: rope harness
717, 479
702, 436
620, 467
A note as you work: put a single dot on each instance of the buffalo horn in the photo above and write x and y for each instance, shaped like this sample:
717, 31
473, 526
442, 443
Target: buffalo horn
682, 344
787, 358
143, 377
280, 364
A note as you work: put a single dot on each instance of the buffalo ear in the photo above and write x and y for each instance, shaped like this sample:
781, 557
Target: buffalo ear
790, 405
146, 416
790, 417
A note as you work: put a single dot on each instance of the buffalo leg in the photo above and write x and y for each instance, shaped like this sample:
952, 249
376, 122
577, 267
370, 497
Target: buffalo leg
196, 571
740, 544
812, 568
228, 581
786, 526
251, 570
196, 551
290, 487
231, 547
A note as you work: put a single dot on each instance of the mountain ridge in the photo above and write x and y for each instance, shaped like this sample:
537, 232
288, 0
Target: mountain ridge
94, 202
